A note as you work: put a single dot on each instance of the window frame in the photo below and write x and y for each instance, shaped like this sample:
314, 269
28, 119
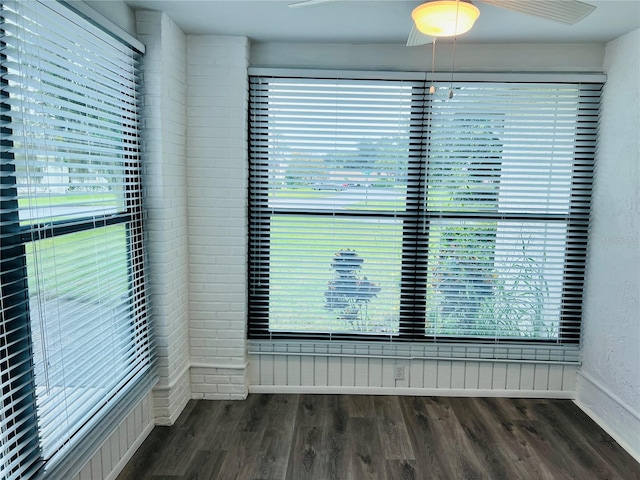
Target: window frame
411, 328
14, 285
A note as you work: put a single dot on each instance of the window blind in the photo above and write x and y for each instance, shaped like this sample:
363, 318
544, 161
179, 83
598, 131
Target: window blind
331, 164
75, 338
379, 211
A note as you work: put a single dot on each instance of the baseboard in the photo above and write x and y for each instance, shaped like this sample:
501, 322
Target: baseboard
425, 392
177, 410
611, 413
130, 452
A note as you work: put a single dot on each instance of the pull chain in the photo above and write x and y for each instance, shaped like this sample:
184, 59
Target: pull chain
455, 38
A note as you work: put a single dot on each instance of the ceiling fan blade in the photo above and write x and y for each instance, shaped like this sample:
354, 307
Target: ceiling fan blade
416, 38
309, 3
565, 11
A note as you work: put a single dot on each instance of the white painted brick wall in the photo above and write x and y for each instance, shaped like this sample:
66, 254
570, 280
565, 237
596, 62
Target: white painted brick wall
217, 205
165, 124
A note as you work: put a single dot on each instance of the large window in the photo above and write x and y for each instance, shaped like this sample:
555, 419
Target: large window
381, 211
74, 338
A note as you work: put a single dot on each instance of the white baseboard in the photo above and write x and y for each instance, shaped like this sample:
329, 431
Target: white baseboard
611, 413
425, 392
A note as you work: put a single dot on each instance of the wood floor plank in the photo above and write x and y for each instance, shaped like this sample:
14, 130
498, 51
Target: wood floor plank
273, 454
190, 431
512, 438
360, 406
317, 451
576, 416
177, 457
403, 470
453, 446
618, 460
308, 458
335, 436
198, 423
556, 455
240, 460
486, 442
424, 438
223, 422
363, 450
396, 444
205, 465
149, 453
604, 445
254, 418
565, 432
519, 408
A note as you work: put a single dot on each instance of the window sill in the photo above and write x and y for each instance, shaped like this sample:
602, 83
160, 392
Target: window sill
480, 352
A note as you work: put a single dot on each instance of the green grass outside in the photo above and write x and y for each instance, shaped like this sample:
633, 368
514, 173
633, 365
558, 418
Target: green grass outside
387, 205
92, 265
302, 249
101, 201
86, 199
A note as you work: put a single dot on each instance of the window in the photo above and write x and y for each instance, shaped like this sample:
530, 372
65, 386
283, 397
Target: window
379, 211
75, 340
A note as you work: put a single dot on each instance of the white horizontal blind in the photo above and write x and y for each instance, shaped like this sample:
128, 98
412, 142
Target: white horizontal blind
75, 332
379, 210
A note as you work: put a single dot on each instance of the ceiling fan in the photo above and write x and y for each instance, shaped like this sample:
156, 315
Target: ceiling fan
565, 11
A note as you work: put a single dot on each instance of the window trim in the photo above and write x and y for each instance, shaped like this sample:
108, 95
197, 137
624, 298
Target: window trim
502, 77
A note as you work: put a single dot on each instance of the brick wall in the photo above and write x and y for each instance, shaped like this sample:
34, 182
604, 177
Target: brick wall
165, 120
217, 208
196, 171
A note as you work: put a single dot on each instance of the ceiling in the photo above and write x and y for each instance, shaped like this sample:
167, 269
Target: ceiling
382, 21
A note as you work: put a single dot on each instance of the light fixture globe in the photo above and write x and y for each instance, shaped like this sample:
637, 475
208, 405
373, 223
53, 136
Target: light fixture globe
438, 18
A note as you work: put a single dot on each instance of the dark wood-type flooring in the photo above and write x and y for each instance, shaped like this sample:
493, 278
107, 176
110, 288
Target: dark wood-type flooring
360, 437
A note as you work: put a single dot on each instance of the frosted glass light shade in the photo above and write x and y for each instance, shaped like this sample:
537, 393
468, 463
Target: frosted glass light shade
438, 18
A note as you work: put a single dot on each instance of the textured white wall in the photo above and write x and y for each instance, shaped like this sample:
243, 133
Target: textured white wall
608, 384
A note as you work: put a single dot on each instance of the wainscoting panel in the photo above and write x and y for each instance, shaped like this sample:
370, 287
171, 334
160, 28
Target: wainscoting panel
118, 449
317, 373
